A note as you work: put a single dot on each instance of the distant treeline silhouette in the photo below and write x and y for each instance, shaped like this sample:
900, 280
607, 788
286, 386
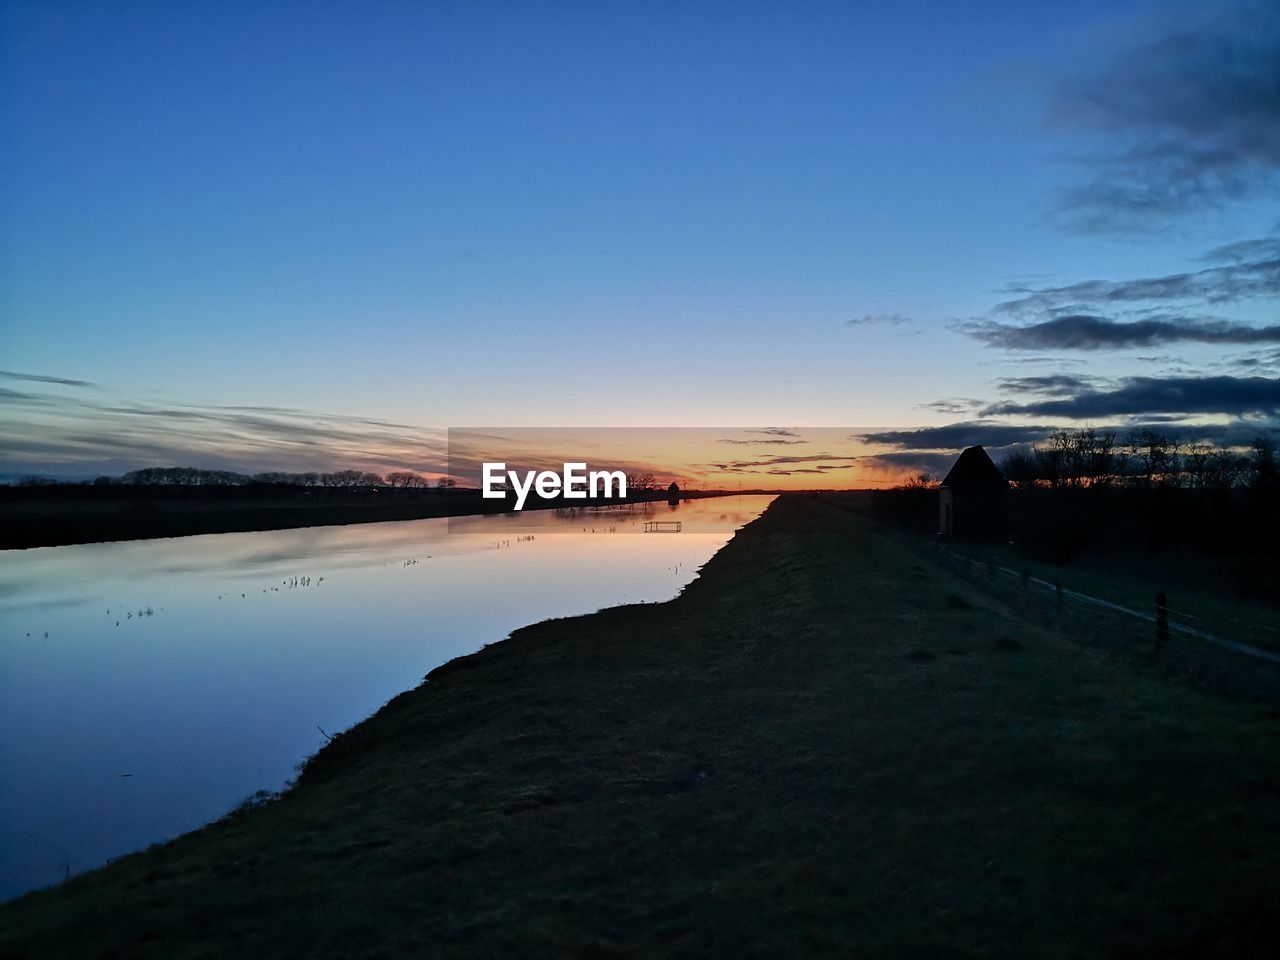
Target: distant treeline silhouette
1148, 458
197, 477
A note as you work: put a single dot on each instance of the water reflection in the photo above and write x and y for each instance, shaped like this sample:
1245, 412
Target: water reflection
147, 687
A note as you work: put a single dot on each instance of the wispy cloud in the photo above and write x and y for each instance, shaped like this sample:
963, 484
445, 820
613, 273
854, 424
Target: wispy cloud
1051, 385
868, 319
44, 378
956, 436
953, 405
776, 441
914, 461
77, 436
1242, 279
774, 464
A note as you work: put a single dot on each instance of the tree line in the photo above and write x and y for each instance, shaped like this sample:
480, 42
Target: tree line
1097, 459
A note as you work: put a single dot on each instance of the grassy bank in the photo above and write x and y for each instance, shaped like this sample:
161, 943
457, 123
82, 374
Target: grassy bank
824, 746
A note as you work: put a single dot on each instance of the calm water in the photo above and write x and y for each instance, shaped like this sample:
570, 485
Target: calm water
146, 688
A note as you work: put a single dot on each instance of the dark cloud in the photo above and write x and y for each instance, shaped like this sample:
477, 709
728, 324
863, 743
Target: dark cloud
915, 461
1185, 122
1227, 283
769, 463
19, 396
1050, 385
819, 469
1265, 248
892, 319
953, 405
57, 436
1086, 332
766, 437
956, 436
1255, 361
1059, 361
41, 378
1145, 396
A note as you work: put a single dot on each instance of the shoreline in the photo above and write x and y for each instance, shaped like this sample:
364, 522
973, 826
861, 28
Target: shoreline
824, 745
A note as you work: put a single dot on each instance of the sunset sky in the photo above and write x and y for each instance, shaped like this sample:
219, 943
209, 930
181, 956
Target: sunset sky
314, 236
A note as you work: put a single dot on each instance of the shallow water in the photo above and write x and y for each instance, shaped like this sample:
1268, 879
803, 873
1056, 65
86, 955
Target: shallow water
147, 687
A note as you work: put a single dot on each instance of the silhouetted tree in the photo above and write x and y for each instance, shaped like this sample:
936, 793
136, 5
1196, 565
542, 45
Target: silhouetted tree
405, 480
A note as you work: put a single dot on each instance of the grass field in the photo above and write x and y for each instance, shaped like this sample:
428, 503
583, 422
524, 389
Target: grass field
825, 746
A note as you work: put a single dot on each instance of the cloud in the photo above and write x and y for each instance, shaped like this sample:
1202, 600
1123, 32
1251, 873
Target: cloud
1243, 279
956, 436
60, 436
1237, 396
775, 432
934, 449
1265, 248
1187, 121
954, 405
892, 319
42, 378
915, 461
1087, 332
770, 464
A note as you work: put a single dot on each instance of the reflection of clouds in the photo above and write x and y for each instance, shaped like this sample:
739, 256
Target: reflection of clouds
74, 435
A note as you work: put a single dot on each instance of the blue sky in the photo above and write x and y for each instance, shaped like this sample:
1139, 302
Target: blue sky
584, 213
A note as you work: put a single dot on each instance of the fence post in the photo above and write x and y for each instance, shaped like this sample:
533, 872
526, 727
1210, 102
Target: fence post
1162, 621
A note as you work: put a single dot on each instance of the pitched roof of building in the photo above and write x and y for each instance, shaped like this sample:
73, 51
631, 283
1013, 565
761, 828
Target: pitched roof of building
974, 470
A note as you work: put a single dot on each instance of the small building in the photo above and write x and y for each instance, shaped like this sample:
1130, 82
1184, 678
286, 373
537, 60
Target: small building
973, 498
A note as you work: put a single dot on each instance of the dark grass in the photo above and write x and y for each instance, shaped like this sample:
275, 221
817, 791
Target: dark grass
816, 750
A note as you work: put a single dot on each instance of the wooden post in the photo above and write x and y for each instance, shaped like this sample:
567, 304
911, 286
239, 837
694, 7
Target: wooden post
1162, 621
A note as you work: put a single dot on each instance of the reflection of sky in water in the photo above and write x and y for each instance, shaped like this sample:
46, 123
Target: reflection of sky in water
213, 695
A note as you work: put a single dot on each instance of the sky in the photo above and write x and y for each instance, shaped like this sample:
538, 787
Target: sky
307, 236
